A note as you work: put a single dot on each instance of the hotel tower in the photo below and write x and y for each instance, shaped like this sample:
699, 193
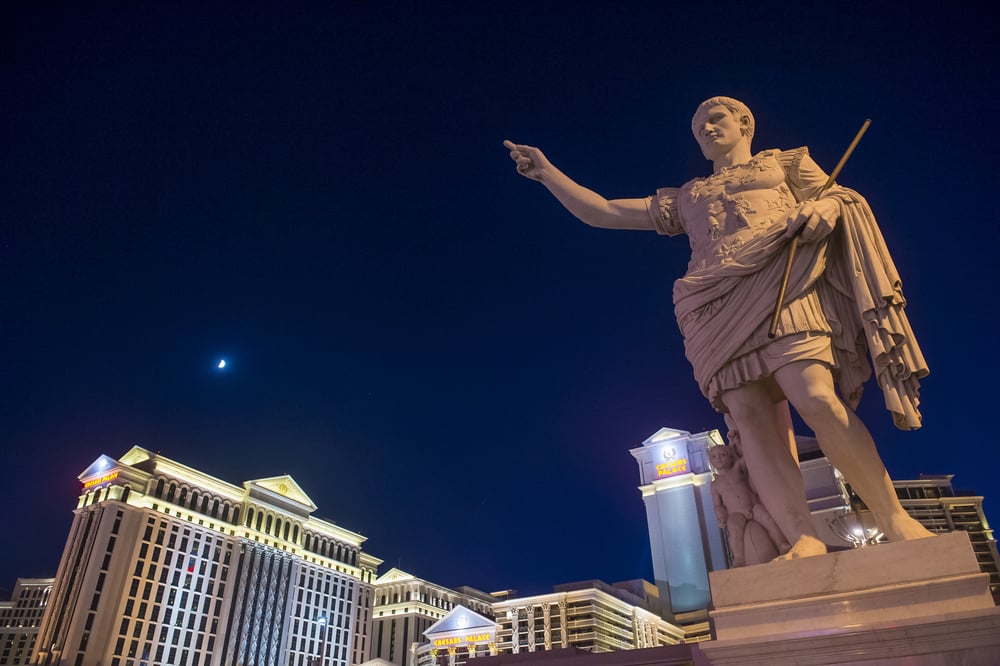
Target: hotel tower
165, 565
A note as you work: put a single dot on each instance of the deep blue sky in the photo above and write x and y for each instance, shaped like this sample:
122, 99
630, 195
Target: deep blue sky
443, 358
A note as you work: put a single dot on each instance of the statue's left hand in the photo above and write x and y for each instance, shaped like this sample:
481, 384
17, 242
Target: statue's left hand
816, 219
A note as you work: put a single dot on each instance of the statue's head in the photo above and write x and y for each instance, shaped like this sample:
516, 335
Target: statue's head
721, 457
735, 106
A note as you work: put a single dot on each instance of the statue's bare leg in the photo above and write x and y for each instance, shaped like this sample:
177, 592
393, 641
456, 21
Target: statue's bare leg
736, 527
773, 468
842, 436
761, 515
784, 416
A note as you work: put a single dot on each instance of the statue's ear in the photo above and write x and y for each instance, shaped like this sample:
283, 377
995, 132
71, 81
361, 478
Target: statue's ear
744, 124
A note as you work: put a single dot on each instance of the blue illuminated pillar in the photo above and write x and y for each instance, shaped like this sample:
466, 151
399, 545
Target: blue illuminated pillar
684, 538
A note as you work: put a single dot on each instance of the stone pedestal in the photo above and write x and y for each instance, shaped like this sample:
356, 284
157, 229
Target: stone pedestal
914, 602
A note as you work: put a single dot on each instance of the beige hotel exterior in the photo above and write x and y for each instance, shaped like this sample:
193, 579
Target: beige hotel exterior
165, 565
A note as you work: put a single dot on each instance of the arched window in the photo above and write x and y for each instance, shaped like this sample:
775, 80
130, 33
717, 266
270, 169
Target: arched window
215, 508
268, 528
159, 489
260, 518
171, 489
287, 526
236, 515
204, 504
183, 497
295, 534
125, 493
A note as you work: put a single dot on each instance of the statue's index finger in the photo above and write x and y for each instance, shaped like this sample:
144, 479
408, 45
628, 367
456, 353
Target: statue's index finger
521, 147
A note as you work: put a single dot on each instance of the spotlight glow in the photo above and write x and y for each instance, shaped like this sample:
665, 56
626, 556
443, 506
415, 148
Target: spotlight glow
222, 364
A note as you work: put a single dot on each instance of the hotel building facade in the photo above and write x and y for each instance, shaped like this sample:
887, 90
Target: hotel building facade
588, 615
934, 502
20, 618
407, 606
166, 565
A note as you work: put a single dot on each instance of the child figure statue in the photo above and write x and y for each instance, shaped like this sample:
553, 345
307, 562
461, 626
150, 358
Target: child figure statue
754, 538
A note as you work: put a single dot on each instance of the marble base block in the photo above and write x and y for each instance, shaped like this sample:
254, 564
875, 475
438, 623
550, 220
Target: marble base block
871, 605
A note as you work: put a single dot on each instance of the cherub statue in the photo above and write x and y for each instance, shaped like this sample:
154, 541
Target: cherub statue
739, 511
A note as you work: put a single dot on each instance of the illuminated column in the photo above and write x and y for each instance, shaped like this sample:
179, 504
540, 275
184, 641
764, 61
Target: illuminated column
530, 614
563, 631
684, 537
547, 625
515, 622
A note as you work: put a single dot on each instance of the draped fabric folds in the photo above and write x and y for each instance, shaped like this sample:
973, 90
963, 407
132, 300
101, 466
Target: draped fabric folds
720, 307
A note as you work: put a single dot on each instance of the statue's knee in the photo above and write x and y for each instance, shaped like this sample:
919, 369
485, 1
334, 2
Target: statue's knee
750, 420
820, 403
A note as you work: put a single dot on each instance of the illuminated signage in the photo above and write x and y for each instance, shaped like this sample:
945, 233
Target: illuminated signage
98, 480
674, 462
458, 640
671, 467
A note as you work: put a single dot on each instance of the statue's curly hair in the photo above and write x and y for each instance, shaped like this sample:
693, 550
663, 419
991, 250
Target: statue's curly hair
737, 107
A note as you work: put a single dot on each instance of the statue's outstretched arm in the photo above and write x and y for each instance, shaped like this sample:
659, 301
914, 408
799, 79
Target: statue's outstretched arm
587, 205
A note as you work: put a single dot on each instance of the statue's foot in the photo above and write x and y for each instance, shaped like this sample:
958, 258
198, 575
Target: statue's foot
805, 546
904, 528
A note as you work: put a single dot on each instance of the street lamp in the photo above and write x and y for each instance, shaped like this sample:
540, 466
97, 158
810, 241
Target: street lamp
857, 527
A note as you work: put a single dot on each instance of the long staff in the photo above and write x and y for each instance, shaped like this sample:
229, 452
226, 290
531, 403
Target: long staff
780, 301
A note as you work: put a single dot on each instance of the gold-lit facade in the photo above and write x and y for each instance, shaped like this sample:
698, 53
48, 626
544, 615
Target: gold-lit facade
166, 565
590, 615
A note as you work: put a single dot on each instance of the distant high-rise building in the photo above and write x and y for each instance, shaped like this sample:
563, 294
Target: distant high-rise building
406, 606
20, 618
165, 565
589, 615
933, 501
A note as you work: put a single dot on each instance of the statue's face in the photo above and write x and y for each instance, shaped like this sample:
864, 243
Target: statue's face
720, 457
718, 131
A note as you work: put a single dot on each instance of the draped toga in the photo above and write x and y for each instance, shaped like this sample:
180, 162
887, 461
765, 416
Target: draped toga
844, 304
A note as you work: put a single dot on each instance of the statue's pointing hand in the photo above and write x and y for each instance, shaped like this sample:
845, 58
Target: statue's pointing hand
815, 218
531, 163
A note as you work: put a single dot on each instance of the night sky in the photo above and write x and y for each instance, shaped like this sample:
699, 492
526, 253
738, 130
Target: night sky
443, 358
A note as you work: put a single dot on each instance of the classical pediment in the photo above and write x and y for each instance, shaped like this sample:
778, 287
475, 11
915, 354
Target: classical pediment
394, 575
666, 434
99, 467
463, 624
281, 489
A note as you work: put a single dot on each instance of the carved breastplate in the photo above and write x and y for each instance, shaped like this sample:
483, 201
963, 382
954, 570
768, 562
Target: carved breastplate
728, 208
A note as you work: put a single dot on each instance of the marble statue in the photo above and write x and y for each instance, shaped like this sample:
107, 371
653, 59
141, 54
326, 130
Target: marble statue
843, 305
754, 537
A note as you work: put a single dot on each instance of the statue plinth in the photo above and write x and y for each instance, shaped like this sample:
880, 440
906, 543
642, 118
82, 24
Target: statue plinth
921, 598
